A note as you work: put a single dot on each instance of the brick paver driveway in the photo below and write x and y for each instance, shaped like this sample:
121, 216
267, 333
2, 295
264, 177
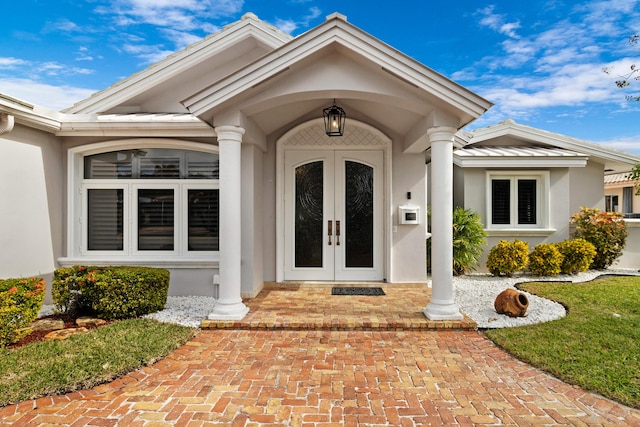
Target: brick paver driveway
329, 378
305, 358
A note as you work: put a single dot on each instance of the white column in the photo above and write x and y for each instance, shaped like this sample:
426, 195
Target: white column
229, 305
442, 305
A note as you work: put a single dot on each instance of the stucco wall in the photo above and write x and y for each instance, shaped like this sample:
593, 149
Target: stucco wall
631, 256
408, 250
252, 241
32, 208
569, 188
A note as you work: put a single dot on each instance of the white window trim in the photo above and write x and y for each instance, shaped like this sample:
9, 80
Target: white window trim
542, 200
77, 208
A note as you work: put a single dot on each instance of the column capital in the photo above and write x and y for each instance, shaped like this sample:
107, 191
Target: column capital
441, 134
229, 133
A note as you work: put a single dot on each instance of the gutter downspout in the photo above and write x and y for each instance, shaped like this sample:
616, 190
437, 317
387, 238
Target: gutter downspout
6, 123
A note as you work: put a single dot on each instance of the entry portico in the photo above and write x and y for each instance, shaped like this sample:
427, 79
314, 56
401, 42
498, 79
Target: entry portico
397, 106
214, 163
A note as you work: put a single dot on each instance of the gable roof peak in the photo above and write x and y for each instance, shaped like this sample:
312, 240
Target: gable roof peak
336, 15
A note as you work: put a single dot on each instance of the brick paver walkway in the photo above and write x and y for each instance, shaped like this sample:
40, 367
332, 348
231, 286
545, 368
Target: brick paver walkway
326, 377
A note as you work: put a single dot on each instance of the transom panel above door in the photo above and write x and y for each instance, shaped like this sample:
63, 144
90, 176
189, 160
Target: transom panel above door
333, 222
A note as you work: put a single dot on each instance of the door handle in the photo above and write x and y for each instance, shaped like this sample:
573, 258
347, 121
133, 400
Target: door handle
337, 233
329, 230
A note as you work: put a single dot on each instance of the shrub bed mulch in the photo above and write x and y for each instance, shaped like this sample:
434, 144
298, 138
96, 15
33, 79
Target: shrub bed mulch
37, 336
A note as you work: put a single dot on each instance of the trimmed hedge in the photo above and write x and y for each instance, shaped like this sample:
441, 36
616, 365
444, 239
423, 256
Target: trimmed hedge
577, 254
20, 302
110, 292
506, 257
545, 260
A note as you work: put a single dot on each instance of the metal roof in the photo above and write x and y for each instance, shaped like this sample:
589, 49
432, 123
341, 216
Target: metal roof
496, 151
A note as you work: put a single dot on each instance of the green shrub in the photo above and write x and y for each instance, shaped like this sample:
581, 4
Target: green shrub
545, 260
578, 255
507, 257
606, 231
20, 302
67, 287
468, 240
111, 292
125, 292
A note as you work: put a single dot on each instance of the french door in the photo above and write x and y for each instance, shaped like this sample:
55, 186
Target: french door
333, 215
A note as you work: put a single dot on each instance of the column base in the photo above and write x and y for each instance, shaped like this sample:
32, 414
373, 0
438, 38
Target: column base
228, 311
442, 310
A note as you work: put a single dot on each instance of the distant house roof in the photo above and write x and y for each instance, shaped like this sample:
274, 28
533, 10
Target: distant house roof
617, 178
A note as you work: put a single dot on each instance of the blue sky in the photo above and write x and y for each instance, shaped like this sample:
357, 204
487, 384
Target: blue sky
539, 62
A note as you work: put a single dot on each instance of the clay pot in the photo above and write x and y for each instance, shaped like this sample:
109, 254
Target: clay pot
511, 302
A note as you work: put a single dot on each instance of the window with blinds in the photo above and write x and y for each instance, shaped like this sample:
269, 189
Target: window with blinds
104, 219
515, 200
147, 201
153, 163
501, 201
527, 201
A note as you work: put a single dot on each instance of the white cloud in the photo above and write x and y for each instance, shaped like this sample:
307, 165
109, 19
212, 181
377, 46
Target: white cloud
497, 22
184, 15
149, 53
49, 96
9, 63
287, 26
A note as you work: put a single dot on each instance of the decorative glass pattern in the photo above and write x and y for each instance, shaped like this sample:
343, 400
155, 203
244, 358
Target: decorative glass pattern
309, 214
358, 233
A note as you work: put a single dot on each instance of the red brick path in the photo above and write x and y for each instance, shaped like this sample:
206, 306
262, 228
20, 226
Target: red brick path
328, 378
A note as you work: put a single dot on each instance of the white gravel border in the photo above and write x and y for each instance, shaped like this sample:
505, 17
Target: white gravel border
475, 295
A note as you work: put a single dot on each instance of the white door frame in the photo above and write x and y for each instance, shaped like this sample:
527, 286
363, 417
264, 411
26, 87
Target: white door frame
310, 136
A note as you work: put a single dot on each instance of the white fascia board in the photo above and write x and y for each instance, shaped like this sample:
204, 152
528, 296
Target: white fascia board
337, 31
30, 115
520, 162
177, 63
148, 125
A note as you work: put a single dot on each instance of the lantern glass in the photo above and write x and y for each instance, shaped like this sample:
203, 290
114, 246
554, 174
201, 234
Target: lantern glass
334, 118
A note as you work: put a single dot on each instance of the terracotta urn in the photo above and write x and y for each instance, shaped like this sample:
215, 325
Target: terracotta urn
511, 302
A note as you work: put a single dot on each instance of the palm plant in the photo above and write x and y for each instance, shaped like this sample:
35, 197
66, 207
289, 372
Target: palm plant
468, 240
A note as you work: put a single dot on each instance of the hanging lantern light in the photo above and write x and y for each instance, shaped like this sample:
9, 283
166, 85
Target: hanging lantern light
334, 118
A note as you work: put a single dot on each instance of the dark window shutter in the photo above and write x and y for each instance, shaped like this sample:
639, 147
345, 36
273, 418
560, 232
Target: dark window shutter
500, 201
527, 201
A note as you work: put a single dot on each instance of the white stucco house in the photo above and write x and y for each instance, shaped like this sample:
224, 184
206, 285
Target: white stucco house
215, 163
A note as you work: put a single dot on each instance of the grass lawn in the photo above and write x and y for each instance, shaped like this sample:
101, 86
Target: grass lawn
86, 360
596, 346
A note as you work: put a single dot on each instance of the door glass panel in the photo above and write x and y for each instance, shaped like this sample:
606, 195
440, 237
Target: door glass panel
308, 215
203, 213
155, 220
358, 233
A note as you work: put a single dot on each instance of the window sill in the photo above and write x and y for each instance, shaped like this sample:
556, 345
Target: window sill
155, 262
520, 232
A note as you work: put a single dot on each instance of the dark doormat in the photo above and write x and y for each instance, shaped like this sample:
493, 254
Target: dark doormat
345, 290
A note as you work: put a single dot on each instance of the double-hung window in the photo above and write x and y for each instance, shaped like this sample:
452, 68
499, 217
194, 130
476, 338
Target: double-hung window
148, 203
517, 200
